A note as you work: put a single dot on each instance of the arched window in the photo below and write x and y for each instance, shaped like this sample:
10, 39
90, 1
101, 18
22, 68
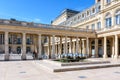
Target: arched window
117, 16
108, 20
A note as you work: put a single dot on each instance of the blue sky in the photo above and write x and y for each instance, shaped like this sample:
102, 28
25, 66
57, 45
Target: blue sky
40, 11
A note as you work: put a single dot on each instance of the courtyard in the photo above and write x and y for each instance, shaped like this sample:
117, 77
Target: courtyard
28, 70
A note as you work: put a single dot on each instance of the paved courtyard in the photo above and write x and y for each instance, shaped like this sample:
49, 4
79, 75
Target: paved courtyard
27, 70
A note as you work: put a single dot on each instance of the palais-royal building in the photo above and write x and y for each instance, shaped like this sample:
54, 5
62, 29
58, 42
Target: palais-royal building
94, 32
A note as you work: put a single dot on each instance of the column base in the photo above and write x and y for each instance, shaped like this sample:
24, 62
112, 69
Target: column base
53, 56
23, 57
105, 56
116, 57
112, 56
6, 57
39, 56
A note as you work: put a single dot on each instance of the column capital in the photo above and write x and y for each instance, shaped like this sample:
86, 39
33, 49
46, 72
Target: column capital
6, 32
39, 34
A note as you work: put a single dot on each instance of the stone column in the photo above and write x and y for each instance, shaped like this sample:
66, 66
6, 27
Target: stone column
96, 47
73, 47
6, 47
49, 47
80, 46
113, 47
39, 46
77, 45
70, 46
83, 47
105, 47
53, 47
66, 45
24, 47
116, 47
60, 45
87, 46
113, 19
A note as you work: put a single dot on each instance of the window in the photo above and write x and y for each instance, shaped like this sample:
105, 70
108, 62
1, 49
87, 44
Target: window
117, 17
88, 13
99, 25
98, 0
108, 20
93, 27
93, 10
87, 27
28, 41
83, 15
19, 41
108, 1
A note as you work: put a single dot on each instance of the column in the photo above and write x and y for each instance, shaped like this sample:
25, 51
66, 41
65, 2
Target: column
83, 47
70, 46
49, 47
87, 46
6, 46
53, 47
66, 45
73, 47
24, 47
96, 47
77, 45
116, 47
60, 45
102, 4
105, 47
113, 19
39, 46
113, 47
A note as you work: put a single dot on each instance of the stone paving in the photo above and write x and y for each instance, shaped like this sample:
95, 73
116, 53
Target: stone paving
27, 70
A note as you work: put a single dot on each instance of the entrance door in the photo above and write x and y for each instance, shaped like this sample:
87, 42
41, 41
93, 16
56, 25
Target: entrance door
93, 51
100, 51
28, 50
18, 50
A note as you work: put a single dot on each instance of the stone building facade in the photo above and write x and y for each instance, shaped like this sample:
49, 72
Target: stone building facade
93, 32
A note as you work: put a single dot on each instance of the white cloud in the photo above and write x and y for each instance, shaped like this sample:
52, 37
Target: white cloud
37, 20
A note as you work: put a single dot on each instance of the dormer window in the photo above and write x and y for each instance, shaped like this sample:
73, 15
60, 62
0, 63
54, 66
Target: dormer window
93, 10
88, 13
83, 15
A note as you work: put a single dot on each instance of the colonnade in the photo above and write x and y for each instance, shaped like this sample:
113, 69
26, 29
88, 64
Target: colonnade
67, 44
115, 47
23, 50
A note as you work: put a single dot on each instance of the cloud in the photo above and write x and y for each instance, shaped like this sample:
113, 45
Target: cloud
37, 20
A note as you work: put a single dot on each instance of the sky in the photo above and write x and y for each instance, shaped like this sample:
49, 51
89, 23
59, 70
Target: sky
39, 11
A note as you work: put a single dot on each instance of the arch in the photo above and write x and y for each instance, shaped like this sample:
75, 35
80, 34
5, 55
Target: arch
108, 15
117, 11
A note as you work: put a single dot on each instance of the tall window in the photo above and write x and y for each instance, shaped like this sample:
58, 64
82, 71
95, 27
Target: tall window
99, 25
87, 27
117, 17
19, 40
93, 27
108, 20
